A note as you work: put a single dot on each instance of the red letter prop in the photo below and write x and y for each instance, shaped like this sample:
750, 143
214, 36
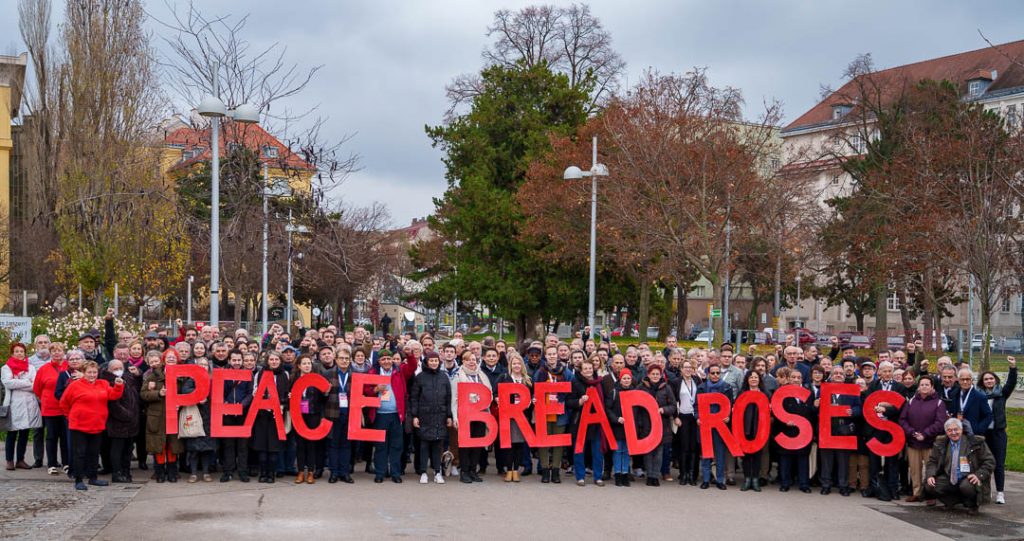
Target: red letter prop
319, 383
218, 409
630, 400
199, 375
764, 421
827, 440
510, 410
715, 421
804, 429
360, 400
593, 414
879, 422
271, 403
475, 405
547, 404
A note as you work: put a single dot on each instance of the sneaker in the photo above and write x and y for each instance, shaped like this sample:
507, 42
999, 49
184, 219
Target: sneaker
1000, 498
455, 470
65, 468
207, 478
423, 478
438, 478
80, 486
98, 482
581, 483
192, 478
53, 471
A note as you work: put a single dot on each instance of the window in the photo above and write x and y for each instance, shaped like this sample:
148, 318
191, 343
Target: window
892, 302
269, 151
232, 147
835, 179
699, 291
774, 164
858, 144
839, 111
976, 87
1011, 117
187, 155
1006, 304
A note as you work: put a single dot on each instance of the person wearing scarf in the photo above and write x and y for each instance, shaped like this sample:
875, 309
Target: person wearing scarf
655, 384
44, 387
264, 439
512, 458
553, 370
585, 381
18, 376
469, 458
686, 420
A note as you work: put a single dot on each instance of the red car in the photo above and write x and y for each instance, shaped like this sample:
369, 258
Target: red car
804, 336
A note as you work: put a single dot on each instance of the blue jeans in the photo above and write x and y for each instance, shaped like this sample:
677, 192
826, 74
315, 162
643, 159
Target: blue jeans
721, 455
387, 455
596, 460
620, 458
339, 449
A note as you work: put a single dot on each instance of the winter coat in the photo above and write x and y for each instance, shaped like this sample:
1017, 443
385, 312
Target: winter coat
976, 411
579, 390
24, 405
464, 377
332, 408
431, 402
45, 388
264, 436
751, 421
400, 376
613, 406
85, 404
559, 373
978, 455
662, 394
515, 433
803, 408
124, 419
237, 392
924, 414
156, 407
997, 396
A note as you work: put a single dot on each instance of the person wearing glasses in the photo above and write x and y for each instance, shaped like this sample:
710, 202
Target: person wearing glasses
971, 405
715, 384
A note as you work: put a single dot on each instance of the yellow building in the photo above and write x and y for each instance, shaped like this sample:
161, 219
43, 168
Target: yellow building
12, 82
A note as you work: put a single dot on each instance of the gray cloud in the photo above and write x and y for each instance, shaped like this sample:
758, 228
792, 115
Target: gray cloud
386, 63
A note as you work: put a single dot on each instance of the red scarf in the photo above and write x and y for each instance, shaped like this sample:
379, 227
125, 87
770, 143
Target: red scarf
17, 366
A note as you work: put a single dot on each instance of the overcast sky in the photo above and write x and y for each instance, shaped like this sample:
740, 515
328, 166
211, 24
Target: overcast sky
386, 62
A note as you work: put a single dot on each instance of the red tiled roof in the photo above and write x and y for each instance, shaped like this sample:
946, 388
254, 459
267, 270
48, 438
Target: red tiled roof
251, 135
1006, 60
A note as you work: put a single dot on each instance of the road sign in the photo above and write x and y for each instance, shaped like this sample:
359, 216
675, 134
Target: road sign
716, 312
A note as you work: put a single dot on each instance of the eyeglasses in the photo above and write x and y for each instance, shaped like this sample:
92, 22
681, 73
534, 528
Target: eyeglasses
966, 379
715, 373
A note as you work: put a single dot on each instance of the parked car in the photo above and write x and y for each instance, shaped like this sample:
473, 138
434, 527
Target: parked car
707, 335
895, 342
844, 337
859, 341
825, 340
976, 343
803, 336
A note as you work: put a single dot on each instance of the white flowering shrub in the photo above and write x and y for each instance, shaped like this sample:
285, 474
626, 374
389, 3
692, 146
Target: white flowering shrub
69, 327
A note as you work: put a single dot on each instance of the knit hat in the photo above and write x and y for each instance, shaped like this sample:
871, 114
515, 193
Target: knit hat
624, 372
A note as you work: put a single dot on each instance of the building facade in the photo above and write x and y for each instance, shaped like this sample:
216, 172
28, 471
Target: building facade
12, 83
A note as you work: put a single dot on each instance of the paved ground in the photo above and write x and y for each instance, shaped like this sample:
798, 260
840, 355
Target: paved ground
36, 506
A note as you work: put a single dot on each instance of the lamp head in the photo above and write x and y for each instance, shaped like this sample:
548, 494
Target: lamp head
211, 106
572, 173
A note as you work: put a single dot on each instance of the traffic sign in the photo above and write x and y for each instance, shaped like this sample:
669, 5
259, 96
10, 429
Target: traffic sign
716, 312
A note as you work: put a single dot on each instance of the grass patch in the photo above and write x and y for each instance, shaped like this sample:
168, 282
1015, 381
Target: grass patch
1015, 439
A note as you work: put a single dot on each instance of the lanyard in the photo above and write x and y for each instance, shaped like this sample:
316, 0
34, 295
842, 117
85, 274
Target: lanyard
963, 401
344, 381
689, 390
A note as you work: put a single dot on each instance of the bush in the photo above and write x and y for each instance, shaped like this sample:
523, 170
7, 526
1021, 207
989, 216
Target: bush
68, 327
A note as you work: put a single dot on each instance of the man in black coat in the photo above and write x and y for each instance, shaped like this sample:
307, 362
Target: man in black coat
884, 410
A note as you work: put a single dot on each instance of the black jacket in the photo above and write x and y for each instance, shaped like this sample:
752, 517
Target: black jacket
666, 400
430, 401
803, 408
999, 395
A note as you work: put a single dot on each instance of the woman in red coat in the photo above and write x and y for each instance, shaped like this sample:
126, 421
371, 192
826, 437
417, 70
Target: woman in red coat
84, 403
45, 388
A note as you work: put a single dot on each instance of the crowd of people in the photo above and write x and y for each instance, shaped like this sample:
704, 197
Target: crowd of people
99, 409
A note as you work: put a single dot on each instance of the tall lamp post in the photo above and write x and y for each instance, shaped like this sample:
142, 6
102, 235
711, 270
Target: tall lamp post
575, 173
213, 108
292, 228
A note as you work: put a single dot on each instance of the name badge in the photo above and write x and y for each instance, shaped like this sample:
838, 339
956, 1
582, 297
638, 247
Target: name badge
386, 395
342, 399
965, 465
474, 398
304, 406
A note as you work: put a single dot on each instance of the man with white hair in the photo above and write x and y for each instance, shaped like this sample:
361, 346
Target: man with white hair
958, 468
971, 406
884, 410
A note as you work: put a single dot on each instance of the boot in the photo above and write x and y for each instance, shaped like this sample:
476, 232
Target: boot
509, 475
625, 479
556, 475
515, 476
161, 473
618, 480
650, 481
301, 478
756, 485
545, 475
746, 485
172, 472
310, 478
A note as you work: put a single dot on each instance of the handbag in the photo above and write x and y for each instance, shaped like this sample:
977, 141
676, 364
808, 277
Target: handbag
190, 423
5, 411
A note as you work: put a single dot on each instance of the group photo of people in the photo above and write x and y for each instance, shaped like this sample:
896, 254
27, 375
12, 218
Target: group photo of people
96, 413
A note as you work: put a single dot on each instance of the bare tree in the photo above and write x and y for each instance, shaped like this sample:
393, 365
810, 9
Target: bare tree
569, 39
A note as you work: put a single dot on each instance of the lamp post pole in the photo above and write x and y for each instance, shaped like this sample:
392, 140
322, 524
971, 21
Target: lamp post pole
266, 242
215, 207
188, 300
591, 312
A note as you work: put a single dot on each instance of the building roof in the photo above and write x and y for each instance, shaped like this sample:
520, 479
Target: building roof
1001, 64
251, 135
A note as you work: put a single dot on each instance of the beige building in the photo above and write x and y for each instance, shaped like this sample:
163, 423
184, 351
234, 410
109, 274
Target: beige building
993, 77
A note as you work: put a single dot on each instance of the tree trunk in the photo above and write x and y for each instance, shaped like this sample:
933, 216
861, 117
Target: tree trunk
97, 302
985, 294
905, 316
928, 316
682, 309
881, 318
859, 317
778, 284
665, 315
645, 308
627, 323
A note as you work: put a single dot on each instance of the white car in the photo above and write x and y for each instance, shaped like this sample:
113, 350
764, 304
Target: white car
707, 335
976, 343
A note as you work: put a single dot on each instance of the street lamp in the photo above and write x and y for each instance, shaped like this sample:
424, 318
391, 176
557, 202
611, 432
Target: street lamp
575, 173
213, 108
188, 300
798, 300
292, 228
